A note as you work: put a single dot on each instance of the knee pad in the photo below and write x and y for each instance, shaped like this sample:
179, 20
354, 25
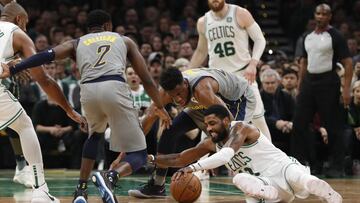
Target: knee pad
91, 145
136, 159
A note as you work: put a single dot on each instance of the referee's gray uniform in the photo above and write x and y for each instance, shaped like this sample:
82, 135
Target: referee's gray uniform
105, 96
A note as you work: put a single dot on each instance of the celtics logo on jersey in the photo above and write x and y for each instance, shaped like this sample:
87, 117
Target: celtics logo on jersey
229, 19
1, 34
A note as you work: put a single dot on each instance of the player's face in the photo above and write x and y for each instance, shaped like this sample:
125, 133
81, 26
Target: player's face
216, 5
216, 127
180, 94
322, 16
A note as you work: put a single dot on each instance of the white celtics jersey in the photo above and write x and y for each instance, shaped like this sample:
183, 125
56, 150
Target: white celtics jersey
6, 42
261, 158
228, 43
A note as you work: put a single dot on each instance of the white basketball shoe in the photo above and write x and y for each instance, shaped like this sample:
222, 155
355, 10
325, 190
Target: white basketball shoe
41, 195
323, 190
24, 176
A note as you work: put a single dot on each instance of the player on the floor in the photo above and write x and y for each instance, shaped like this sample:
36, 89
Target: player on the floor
263, 172
224, 33
14, 40
196, 89
106, 99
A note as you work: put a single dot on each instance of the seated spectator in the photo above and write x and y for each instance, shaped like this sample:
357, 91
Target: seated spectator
54, 129
354, 122
141, 99
290, 81
279, 109
169, 61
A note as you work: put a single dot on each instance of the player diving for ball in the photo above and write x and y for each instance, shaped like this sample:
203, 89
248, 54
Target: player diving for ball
263, 172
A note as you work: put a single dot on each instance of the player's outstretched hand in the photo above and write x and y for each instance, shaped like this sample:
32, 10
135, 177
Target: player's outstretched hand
4, 71
164, 116
181, 172
75, 116
250, 73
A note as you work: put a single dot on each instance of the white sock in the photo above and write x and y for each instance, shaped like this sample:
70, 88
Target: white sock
261, 124
38, 171
30, 146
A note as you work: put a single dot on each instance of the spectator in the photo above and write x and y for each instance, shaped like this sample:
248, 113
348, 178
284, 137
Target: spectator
186, 50
146, 50
169, 61
41, 43
141, 99
290, 81
279, 108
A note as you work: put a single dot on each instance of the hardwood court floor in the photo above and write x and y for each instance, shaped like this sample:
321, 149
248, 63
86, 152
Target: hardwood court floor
218, 189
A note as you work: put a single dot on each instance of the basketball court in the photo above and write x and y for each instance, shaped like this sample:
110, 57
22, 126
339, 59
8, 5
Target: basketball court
218, 189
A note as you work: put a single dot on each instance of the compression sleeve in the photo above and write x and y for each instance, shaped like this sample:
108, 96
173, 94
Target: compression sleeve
218, 159
34, 61
257, 36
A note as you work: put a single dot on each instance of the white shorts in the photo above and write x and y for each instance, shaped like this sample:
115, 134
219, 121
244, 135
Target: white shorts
278, 179
259, 109
10, 108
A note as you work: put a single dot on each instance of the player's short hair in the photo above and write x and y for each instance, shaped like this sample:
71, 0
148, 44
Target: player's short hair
97, 18
219, 111
170, 78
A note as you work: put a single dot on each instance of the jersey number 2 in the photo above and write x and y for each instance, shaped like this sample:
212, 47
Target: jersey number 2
226, 49
102, 50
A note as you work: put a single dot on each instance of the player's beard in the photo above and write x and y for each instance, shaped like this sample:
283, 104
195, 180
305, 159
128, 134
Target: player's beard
220, 135
217, 8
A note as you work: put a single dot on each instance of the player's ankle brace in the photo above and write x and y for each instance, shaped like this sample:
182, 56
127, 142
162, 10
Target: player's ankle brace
91, 145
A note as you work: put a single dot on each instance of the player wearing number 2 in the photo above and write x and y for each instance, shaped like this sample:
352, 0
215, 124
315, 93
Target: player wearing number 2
263, 172
105, 98
224, 34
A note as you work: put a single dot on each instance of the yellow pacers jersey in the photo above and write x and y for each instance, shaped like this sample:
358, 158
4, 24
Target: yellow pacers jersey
228, 43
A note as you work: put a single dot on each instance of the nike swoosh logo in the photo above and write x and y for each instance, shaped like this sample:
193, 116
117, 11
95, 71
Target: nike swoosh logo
51, 197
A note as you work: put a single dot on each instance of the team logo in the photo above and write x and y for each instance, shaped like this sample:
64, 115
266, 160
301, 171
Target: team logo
228, 19
1, 34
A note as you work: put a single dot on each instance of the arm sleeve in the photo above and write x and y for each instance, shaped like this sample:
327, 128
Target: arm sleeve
218, 159
257, 36
34, 61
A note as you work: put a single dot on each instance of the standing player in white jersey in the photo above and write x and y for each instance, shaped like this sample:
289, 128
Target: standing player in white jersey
14, 40
224, 34
263, 172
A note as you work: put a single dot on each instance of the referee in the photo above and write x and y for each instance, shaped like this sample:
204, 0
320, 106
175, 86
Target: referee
319, 88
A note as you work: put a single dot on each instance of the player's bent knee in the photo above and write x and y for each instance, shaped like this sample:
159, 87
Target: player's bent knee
91, 145
136, 159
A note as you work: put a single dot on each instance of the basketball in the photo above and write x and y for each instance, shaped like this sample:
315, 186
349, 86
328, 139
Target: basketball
187, 189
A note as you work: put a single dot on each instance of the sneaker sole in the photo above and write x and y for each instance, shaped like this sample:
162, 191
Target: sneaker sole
105, 192
139, 194
80, 199
322, 189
